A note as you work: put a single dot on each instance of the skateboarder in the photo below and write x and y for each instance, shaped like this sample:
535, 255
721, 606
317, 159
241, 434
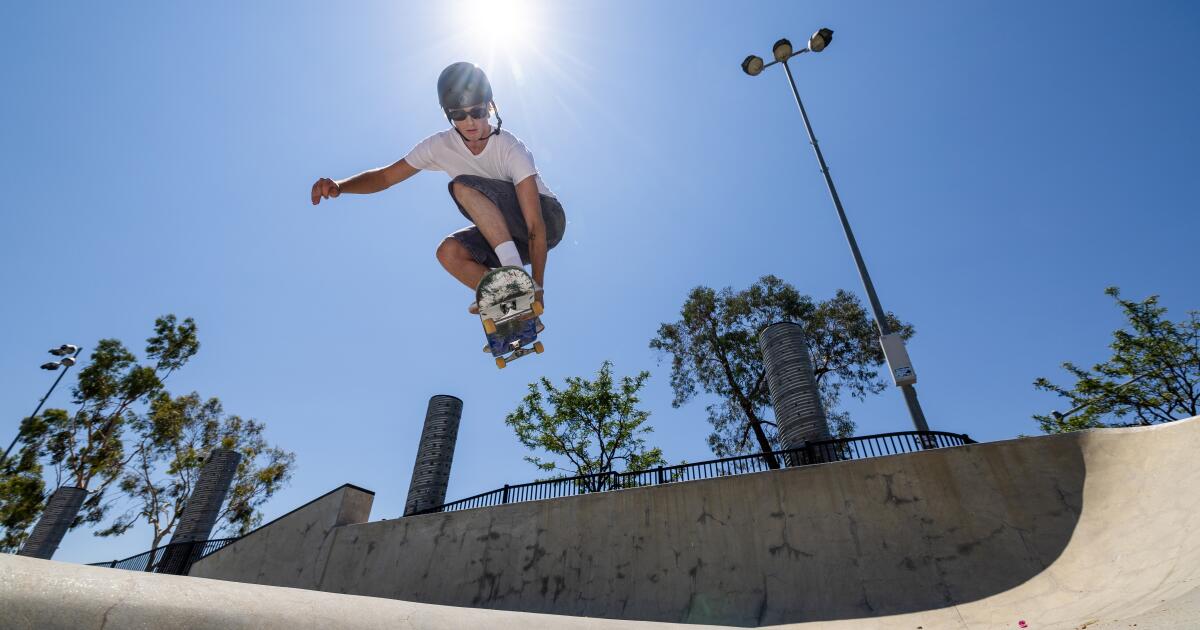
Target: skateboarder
515, 217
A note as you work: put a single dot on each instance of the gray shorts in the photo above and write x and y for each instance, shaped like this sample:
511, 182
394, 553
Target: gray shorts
504, 195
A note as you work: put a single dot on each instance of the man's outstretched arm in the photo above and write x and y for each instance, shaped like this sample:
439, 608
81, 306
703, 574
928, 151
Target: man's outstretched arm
531, 209
364, 183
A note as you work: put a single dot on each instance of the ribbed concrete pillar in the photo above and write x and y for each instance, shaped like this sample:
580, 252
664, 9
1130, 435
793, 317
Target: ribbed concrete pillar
794, 395
61, 509
201, 511
204, 506
435, 453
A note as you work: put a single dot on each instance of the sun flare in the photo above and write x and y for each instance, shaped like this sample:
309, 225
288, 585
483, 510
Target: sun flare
502, 26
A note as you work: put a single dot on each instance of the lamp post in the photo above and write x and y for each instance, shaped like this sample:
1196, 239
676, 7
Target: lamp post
893, 344
65, 362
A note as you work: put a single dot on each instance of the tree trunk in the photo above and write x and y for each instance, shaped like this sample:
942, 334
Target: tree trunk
755, 424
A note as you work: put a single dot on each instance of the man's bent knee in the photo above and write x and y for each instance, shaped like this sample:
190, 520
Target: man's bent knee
459, 190
450, 251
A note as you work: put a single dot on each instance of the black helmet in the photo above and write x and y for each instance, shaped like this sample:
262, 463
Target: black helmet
462, 84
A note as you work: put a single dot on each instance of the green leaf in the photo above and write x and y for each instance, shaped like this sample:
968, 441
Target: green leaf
1152, 375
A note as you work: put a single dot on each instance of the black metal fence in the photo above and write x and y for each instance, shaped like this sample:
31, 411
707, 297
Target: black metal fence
175, 558
812, 453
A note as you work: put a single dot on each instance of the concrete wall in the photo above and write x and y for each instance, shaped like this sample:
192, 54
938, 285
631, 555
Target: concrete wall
292, 549
847, 540
1053, 529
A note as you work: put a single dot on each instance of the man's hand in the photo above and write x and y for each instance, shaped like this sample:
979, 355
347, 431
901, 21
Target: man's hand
364, 183
539, 296
325, 188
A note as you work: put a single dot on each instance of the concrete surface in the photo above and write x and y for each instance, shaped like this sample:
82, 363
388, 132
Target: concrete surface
291, 550
1093, 530
203, 507
435, 454
49, 595
1058, 531
61, 509
1182, 613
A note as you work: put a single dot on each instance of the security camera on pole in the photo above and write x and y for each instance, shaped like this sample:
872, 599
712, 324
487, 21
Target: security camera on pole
893, 345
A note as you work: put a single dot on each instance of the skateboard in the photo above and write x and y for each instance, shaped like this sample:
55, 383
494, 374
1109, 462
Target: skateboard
509, 314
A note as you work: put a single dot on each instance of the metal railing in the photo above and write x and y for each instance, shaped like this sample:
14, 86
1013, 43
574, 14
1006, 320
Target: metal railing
174, 559
811, 453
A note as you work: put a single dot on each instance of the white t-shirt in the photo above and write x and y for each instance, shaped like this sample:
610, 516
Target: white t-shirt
504, 157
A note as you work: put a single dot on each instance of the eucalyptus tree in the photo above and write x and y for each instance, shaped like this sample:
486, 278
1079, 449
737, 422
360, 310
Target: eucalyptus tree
85, 448
172, 442
713, 349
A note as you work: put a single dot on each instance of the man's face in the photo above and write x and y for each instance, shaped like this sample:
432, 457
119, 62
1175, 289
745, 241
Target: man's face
470, 127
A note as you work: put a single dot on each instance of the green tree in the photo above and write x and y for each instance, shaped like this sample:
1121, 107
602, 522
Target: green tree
713, 349
593, 424
1152, 376
86, 448
21, 492
174, 439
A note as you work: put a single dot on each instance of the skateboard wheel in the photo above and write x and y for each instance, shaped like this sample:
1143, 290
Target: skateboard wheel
500, 362
489, 327
538, 308
538, 347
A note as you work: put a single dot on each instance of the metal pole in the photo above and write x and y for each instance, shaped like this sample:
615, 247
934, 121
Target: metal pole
910, 392
1060, 416
39, 407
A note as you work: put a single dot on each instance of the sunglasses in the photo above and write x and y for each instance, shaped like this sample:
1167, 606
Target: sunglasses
461, 114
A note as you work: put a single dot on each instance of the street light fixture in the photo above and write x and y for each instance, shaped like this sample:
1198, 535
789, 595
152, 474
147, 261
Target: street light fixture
66, 362
782, 50
64, 350
752, 65
892, 343
63, 362
820, 40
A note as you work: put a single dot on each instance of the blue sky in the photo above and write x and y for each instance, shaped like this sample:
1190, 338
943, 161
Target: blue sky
1001, 164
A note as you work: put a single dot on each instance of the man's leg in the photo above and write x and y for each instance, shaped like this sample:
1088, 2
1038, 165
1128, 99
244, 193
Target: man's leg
484, 214
460, 263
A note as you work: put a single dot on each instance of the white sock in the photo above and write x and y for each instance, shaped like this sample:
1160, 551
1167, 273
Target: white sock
508, 255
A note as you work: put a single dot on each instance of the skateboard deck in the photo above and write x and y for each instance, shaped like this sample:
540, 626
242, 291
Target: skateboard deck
509, 314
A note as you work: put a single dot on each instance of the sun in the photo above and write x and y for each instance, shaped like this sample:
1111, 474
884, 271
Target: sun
503, 27
509, 39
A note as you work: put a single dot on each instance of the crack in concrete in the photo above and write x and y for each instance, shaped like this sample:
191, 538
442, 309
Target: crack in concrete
792, 552
125, 592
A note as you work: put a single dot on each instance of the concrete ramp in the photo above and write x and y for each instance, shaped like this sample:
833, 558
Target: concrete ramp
1098, 529
49, 595
1132, 560
1060, 529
